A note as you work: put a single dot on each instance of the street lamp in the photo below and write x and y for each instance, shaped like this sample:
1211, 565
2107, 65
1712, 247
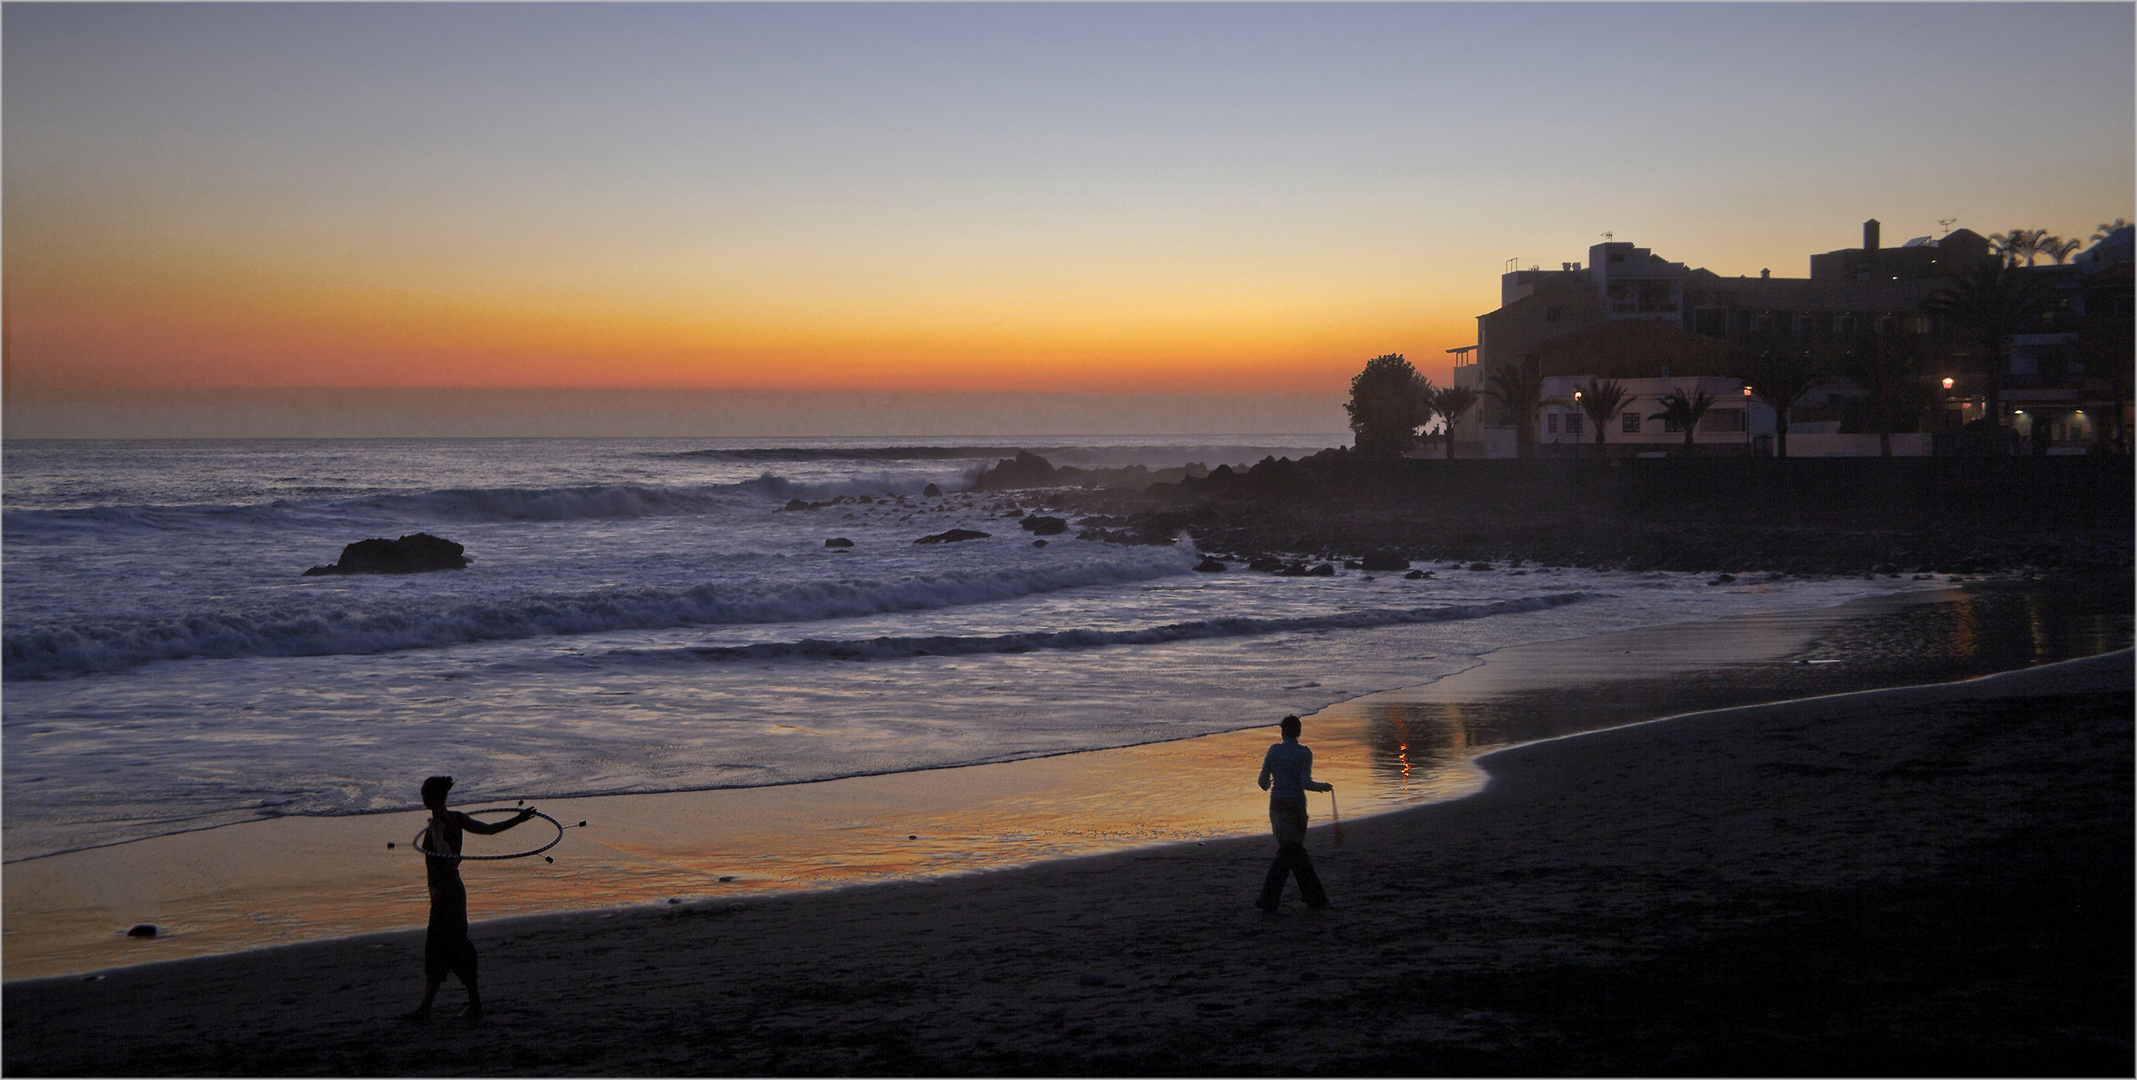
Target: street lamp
1747, 423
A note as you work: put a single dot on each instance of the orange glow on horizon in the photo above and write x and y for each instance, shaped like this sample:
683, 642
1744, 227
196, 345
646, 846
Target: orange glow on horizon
220, 328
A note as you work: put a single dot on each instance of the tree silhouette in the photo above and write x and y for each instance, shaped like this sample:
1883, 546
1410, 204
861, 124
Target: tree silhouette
1519, 387
1450, 402
1778, 375
2108, 229
2018, 244
2105, 343
1883, 366
1988, 306
2059, 249
1600, 400
1684, 411
1388, 402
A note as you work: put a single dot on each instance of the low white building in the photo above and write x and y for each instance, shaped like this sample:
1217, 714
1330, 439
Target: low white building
1731, 424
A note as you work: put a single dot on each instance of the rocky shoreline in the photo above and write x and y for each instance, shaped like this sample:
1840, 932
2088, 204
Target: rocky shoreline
1801, 517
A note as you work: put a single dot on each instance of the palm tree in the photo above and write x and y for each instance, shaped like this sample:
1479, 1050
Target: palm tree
2059, 249
1882, 365
1388, 402
1519, 387
2109, 229
1779, 375
1684, 411
2018, 244
2105, 344
1450, 402
1601, 401
1989, 305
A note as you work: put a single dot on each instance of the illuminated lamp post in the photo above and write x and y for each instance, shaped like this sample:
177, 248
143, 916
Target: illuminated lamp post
1947, 404
1576, 410
1747, 423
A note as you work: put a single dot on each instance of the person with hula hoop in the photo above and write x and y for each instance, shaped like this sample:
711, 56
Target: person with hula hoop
446, 948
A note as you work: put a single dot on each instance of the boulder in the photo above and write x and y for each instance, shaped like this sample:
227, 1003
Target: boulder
1417, 575
953, 536
838, 542
1480, 566
1025, 470
1210, 565
1038, 525
413, 554
1383, 560
795, 504
1038, 543
931, 491
1267, 564
1323, 570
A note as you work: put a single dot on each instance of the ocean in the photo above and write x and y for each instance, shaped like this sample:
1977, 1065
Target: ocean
646, 615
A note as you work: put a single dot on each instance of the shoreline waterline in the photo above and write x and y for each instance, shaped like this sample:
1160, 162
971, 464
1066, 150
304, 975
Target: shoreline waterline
289, 880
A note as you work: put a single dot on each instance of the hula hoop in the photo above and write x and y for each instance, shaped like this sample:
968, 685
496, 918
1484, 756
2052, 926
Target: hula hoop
417, 843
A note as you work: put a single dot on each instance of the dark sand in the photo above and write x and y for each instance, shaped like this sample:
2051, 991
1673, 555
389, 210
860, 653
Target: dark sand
1922, 881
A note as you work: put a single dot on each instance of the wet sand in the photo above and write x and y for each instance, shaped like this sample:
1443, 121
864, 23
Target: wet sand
1927, 880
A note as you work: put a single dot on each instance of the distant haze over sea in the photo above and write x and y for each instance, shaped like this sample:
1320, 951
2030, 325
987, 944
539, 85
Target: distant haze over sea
527, 413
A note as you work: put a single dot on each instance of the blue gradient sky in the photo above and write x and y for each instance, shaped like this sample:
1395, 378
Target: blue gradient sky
1116, 199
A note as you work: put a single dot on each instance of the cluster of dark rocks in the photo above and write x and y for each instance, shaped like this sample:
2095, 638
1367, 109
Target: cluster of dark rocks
1808, 517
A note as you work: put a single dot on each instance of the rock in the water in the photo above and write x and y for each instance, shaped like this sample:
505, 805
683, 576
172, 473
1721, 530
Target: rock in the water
953, 536
1480, 566
143, 930
1417, 575
795, 504
1323, 570
1025, 470
1724, 579
931, 491
1383, 560
1210, 566
1038, 543
1267, 564
1293, 569
838, 542
1038, 525
413, 554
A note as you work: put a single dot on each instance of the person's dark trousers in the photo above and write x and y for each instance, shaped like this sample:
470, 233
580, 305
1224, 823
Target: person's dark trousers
1291, 859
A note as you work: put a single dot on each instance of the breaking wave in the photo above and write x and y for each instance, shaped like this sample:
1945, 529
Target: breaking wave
119, 643
894, 648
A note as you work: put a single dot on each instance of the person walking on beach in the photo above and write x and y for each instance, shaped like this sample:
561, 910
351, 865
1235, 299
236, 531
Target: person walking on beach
446, 948
1287, 775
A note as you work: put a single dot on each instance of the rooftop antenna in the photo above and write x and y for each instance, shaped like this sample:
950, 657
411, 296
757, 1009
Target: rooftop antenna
1513, 264
1607, 235
1946, 223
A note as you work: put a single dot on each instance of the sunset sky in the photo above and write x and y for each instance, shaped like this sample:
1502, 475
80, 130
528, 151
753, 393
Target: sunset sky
1105, 201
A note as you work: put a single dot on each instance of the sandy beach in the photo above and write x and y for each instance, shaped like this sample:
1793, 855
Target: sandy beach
1933, 880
